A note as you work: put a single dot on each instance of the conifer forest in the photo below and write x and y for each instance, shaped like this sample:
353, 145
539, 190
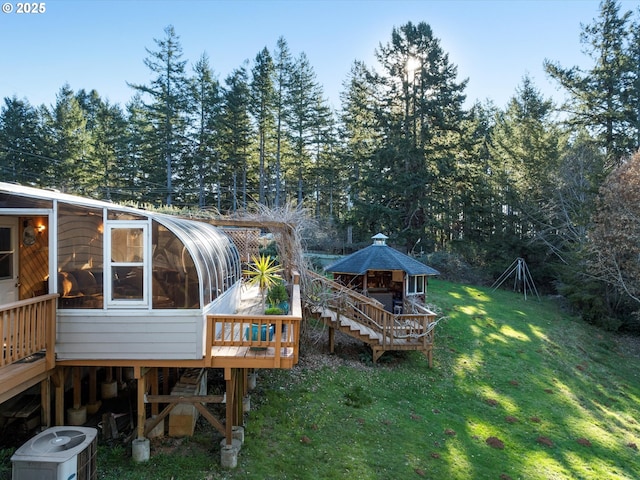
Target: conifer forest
404, 154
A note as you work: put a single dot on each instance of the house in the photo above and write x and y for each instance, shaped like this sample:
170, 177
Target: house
87, 285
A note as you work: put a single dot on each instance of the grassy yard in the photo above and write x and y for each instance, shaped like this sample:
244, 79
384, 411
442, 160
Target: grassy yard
518, 390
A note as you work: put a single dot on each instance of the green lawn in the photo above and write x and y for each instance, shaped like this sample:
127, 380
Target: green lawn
518, 390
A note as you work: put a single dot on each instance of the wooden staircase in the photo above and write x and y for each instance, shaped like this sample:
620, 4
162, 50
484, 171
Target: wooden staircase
365, 319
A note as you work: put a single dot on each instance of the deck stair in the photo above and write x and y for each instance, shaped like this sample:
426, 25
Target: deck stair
365, 319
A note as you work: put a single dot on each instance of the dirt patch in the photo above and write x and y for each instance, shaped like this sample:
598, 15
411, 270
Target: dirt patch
492, 402
547, 442
495, 442
583, 441
511, 419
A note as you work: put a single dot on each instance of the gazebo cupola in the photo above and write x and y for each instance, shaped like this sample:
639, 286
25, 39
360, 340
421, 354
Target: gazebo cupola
379, 239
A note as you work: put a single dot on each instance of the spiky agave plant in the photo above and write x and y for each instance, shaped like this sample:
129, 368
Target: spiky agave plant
263, 272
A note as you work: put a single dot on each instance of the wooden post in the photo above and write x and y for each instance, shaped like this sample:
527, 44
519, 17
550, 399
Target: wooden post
93, 390
229, 376
50, 333
165, 381
142, 390
153, 378
45, 402
77, 387
58, 378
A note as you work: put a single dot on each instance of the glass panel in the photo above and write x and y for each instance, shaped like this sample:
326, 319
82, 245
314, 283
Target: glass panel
175, 278
80, 257
127, 283
6, 253
127, 245
119, 215
8, 200
128, 263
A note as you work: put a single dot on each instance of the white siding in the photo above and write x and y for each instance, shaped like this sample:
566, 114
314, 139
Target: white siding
137, 334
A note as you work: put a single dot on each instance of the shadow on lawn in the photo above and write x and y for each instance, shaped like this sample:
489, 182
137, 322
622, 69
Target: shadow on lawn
542, 395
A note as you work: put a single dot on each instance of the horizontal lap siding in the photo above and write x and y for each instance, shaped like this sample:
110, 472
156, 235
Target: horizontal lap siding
125, 336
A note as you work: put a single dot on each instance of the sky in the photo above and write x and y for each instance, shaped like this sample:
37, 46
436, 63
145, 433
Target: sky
101, 44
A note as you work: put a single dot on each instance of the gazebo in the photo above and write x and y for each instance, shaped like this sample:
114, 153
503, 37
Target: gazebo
383, 273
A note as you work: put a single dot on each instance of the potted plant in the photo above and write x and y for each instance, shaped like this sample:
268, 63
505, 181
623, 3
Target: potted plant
278, 297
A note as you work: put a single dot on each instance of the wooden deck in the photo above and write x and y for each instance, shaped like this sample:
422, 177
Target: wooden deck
249, 339
27, 330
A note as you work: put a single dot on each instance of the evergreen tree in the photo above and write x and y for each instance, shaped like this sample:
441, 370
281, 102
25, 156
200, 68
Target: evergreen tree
301, 120
236, 134
597, 97
418, 111
70, 146
206, 97
21, 141
525, 148
262, 96
167, 108
360, 139
283, 65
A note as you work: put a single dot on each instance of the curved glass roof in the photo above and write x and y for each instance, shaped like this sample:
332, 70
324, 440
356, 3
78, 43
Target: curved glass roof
132, 258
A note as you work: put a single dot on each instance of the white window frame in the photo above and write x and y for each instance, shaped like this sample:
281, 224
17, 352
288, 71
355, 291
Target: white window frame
110, 264
412, 285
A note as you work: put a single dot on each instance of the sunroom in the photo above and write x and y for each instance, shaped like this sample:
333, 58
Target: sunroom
132, 284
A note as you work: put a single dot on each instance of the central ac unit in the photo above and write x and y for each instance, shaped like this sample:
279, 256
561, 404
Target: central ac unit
58, 453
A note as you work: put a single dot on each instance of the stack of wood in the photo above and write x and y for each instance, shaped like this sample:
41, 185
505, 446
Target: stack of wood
183, 417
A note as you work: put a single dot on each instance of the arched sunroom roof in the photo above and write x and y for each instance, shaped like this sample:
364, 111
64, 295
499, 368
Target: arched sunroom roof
167, 274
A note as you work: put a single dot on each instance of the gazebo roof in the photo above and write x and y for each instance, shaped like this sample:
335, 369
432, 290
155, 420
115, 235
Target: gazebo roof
380, 256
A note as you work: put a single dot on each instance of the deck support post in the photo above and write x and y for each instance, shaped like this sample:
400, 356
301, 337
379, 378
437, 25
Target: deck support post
58, 378
45, 402
230, 378
94, 404
141, 376
77, 415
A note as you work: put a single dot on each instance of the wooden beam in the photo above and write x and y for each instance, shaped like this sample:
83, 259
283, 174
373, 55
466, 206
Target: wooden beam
155, 421
204, 411
185, 399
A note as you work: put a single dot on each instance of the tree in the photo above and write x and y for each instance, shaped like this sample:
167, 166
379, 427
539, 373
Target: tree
282, 80
236, 132
615, 248
21, 145
262, 94
206, 99
525, 146
167, 108
301, 120
597, 97
418, 110
73, 167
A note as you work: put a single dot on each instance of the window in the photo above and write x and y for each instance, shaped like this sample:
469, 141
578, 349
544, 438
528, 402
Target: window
416, 284
127, 266
80, 257
6, 254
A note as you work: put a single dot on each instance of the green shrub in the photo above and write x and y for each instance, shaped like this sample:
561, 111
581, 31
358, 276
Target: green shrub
273, 311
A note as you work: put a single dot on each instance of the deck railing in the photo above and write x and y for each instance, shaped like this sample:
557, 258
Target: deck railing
415, 327
28, 327
280, 332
